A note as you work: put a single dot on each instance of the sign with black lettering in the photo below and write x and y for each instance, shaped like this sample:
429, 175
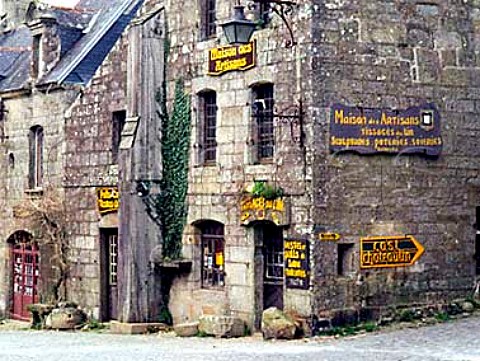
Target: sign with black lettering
372, 130
107, 199
297, 263
229, 58
262, 209
394, 251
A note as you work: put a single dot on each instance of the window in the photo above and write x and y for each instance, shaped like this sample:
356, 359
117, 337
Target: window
345, 262
262, 113
207, 131
35, 174
263, 13
213, 254
208, 19
118, 121
477, 242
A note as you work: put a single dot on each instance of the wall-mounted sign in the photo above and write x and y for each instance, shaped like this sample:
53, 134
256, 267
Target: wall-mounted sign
297, 263
262, 209
107, 199
394, 251
329, 237
229, 58
371, 130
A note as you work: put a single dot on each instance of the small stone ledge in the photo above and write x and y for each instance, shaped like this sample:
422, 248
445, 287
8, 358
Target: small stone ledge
136, 328
181, 265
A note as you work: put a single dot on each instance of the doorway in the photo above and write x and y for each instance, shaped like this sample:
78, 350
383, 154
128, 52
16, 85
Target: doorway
108, 265
25, 274
269, 268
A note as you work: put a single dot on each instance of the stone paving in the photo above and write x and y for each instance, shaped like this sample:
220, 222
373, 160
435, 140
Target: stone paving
452, 341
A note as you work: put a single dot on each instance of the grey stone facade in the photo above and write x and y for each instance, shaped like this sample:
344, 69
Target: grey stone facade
394, 55
386, 55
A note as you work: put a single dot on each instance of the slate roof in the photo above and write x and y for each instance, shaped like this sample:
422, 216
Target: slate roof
88, 33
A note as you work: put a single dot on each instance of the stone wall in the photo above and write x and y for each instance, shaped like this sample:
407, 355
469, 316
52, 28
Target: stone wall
24, 111
394, 55
88, 166
215, 191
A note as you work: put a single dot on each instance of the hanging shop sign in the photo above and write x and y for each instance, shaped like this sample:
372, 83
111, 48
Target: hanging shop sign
394, 251
262, 209
229, 58
372, 130
297, 263
107, 199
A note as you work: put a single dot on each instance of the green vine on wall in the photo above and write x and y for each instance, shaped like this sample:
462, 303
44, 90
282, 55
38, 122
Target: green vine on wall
172, 207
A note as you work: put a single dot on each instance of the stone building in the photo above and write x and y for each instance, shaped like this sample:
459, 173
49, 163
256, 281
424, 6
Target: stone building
332, 167
60, 119
369, 128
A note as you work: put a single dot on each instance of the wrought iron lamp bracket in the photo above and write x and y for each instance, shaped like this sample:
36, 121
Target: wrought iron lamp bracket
284, 9
293, 116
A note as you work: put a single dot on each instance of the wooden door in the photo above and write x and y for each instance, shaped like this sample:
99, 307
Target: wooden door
109, 261
25, 258
273, 276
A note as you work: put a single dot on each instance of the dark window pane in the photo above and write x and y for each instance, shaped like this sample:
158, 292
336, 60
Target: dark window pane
262, 111
208, 114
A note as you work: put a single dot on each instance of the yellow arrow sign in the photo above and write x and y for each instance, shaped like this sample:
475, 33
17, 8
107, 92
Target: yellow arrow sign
393, 251
329, 237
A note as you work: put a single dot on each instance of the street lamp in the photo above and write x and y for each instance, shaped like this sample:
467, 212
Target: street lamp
238, 30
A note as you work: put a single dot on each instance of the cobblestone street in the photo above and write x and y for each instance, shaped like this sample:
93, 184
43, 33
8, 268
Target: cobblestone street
453, 341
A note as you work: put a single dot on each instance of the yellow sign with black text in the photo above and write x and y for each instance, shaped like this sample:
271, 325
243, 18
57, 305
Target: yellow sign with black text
107, 199
229, 58
391, 251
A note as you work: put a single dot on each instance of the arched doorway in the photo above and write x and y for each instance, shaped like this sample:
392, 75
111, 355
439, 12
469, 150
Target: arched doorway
269, 267
24, 257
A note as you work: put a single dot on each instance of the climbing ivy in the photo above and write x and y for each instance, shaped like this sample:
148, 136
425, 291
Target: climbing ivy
172, 207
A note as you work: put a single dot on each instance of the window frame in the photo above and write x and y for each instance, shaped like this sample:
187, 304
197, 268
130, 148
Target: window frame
119, 119
262, 113
36, 145
207, 127
208, 19
212, 247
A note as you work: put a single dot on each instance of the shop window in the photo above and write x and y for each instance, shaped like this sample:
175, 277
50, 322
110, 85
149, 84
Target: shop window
35, 174
207, 127
208, 26
263, 127
345, 261
213, 254
118, 121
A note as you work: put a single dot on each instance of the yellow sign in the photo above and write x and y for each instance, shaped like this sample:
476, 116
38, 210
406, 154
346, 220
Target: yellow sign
260, 208
329, 237
228, 58
107, 199
394, 251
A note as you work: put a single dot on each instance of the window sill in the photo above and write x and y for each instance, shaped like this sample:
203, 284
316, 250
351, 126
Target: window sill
38, 191
181, 265
213, 288
206, 165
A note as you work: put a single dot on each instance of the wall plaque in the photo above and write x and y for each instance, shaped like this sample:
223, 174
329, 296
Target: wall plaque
229, 58
107, 199
297, 263
371, 130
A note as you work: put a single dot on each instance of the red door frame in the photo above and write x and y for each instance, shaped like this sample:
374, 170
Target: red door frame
25, 272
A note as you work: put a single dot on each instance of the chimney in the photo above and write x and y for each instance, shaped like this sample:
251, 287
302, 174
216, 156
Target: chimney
46, 45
